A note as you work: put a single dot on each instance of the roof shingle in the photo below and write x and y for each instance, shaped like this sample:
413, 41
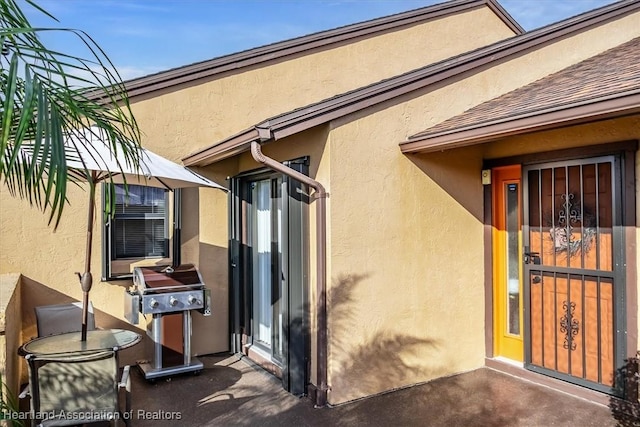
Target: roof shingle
612, 72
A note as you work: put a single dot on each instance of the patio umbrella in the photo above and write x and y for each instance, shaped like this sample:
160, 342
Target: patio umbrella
97, 162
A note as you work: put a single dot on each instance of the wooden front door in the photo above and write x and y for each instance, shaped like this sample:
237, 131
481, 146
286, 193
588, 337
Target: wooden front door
573, 271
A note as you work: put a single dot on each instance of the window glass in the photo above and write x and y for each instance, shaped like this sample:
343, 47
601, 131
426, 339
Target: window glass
512, 198
138, 232
139, 223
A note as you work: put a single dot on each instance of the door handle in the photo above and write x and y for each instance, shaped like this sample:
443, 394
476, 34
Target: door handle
536, 279
532, 258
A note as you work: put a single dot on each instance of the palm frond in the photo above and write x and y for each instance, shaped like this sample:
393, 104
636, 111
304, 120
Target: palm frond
47, 95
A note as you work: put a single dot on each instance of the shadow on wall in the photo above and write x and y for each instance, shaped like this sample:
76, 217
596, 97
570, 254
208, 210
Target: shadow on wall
213, 262
378, 363
211, 333
458, 172
626, 410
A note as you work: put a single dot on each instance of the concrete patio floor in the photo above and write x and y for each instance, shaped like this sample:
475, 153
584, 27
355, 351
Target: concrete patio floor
232, 391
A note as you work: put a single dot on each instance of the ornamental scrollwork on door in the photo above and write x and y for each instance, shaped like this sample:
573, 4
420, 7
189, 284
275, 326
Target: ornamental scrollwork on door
568, 325
571, 215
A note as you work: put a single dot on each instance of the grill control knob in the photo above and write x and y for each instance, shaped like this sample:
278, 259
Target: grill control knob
153, 303
173, 301
192, 299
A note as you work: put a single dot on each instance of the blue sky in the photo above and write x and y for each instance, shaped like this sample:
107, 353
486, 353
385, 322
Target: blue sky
146, 36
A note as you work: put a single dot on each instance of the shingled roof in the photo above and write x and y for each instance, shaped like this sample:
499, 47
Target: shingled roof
611, 77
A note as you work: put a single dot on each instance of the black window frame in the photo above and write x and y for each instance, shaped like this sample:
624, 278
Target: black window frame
171, 231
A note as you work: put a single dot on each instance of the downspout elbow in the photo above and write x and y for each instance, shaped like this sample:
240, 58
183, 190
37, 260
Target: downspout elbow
259, 157
256, 152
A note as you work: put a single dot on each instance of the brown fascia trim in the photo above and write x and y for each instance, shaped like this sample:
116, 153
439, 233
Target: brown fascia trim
230, 147
236, 61
505, 16
313, 115
609, 107
304, 118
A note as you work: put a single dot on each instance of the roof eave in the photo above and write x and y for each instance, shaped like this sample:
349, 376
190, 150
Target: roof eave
313, 115
595, 110
144, 85
505, 17
316, 114
227, 148
147, 84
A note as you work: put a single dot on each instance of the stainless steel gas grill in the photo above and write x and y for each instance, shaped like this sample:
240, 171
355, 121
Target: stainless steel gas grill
161, 292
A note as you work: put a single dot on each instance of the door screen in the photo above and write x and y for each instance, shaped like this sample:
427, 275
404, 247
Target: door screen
570, 237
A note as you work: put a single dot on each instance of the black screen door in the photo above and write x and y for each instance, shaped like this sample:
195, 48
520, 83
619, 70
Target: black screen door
268, 271
573, 271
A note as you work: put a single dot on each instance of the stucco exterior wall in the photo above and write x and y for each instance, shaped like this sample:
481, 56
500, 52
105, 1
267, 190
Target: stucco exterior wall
622, 129
469, 90
406, 260
30, 246
195, 116
177, 122
406, 266
11, 375
406, 242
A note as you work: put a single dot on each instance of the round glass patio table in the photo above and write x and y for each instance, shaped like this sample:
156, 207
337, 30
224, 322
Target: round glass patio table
99, 339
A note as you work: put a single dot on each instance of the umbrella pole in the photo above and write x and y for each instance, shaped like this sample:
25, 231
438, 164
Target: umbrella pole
86, 280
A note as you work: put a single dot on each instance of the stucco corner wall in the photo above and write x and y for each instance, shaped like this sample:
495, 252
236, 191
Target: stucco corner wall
190, 117
406, 292
205, 244
407, 250
11, 373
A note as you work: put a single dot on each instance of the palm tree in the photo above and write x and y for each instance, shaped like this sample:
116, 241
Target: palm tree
47, 95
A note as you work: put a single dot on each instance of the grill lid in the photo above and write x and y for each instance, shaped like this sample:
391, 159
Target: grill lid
158, 279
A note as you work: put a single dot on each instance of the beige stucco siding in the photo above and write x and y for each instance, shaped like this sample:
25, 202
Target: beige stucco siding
406, 266
622, 129
29, 246
406, 242
197, 116
177, 123
405, 233
455, 98
407, 272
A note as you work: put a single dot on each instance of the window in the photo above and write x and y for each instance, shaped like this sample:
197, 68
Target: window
139, 224
138, 233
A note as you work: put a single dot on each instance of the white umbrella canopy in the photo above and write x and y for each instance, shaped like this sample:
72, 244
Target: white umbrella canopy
110, 165
92, 159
